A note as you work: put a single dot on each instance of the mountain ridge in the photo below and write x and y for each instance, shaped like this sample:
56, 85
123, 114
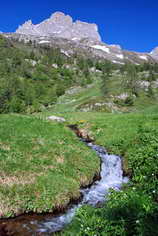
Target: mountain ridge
61, 25
77, 37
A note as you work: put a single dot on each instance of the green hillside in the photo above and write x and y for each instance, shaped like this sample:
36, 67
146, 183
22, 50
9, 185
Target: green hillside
43, 164
37, 157
36, 78
134, 210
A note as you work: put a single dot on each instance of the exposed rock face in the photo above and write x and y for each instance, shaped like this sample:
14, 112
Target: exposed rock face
154, 53
89, 48
82, 133
62, 26
56, 118
72, 38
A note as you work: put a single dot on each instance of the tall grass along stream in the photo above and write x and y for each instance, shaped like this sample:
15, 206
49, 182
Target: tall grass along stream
111, 177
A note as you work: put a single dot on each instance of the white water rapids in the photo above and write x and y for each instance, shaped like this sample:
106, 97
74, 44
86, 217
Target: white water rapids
111, 177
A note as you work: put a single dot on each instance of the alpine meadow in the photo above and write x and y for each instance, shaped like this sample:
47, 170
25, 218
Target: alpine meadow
78, 133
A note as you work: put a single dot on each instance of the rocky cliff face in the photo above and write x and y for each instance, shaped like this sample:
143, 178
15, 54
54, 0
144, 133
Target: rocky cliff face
86, 47
78, 37
154, 53
61, 26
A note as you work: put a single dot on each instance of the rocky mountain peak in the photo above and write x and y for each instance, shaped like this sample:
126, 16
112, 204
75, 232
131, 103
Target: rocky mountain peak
59, 31
29, 22
155, 50
61, 26
57, 14
60, 18
154, 53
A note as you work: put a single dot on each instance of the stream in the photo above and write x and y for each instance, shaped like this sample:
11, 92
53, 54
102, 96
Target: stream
111, 177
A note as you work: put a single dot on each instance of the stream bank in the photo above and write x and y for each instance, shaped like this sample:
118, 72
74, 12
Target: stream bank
45, 224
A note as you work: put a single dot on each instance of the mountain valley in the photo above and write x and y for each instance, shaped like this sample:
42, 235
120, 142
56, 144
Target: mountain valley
58, 75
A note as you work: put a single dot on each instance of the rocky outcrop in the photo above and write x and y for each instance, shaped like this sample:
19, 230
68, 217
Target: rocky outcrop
61, 26
77, 38
82, 133
89, 48
154, 53
56, 118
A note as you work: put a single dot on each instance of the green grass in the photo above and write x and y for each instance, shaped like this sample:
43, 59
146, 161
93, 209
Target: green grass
43, 165
86, 98
133, 211
70, 102
110, 130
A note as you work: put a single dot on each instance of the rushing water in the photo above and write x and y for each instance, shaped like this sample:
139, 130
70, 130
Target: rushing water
111, 177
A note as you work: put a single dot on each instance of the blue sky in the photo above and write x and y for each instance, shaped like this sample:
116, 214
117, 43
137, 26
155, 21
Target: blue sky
131, 23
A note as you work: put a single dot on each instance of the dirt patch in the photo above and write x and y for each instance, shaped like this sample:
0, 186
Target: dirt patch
23, 180
82, 133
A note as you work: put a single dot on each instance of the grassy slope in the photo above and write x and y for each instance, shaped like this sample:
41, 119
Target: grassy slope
108, 128
70, 102
113, 131
121, 134
118, 133
88, 97
42, 165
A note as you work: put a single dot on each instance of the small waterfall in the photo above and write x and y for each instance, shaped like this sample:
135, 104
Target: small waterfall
111, 177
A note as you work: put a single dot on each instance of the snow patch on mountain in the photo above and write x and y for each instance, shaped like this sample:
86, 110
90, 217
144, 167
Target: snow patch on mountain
121, 56
144, 57
44, 41
100, 47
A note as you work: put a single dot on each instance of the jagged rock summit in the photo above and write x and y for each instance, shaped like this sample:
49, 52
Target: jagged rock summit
61, 26
76, 38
